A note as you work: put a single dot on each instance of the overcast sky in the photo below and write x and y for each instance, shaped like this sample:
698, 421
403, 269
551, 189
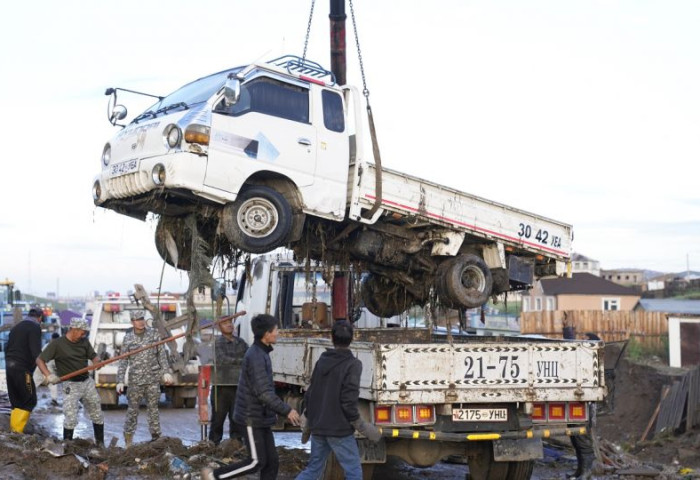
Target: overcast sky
585, 112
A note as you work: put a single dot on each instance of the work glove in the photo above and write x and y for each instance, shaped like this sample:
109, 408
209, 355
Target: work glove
367, 429
53, 379
305, 430
120, 388
168, 379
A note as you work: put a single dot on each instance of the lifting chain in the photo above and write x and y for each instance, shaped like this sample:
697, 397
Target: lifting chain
308, 31
365, 92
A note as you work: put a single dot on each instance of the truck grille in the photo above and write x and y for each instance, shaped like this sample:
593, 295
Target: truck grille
129, 185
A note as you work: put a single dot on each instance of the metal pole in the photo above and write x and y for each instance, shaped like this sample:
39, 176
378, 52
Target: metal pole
139, 350
338, 56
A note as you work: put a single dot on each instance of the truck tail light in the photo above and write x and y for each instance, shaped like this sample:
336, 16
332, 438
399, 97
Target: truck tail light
556, 411
382, 414
538, 411
168, 307
112, 307
196, 133
425, 414
577, 411
404, 414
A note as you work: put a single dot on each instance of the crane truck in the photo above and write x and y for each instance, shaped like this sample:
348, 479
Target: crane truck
434, 392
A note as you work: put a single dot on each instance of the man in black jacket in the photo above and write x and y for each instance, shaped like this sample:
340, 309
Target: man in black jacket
331, 408
23, 346
257, 407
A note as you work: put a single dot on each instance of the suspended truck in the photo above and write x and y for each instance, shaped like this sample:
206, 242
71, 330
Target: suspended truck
489, 400
272, 154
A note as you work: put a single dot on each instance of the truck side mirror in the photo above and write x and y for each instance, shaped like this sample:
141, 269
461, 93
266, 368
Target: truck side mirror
232, 91
118, 113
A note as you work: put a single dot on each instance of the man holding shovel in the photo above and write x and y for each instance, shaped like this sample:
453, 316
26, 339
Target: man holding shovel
72, 352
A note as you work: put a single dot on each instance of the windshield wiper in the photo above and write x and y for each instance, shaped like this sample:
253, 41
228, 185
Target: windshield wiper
149, 113
173, 107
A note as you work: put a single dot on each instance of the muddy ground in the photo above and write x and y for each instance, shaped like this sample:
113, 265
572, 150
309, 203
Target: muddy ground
636, 391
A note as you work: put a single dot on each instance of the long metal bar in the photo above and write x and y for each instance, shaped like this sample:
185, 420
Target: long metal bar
471, 437
146, 347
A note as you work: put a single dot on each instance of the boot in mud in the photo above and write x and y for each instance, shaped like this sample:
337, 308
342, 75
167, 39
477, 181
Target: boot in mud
67, 434
99, 430
128, 439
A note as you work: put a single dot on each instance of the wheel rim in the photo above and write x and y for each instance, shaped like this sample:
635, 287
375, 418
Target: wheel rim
474, 278
257, 217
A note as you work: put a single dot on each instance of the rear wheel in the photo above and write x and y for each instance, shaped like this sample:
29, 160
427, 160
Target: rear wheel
259, 221
384, 297
464, 281
482, 466
520, 470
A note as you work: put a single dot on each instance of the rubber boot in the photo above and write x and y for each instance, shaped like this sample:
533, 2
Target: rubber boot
155, 436
67, 434
586, 467
128, 439
18, 420
99, 430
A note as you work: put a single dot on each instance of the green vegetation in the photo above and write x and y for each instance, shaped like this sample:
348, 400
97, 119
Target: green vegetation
644, 348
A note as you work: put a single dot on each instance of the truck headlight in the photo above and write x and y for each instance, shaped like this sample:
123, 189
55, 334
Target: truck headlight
96, 190
106, 154
158, 174
172, 135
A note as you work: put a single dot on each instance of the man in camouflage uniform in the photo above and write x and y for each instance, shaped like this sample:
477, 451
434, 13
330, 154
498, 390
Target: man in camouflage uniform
146, 369
71, 353
228, 352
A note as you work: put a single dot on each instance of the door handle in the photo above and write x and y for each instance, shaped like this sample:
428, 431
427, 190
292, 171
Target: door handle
304, 141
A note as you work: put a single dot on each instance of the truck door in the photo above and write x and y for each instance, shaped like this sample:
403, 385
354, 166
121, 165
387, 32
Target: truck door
269, 128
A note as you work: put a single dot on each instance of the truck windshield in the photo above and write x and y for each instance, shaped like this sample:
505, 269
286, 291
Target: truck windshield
191, 94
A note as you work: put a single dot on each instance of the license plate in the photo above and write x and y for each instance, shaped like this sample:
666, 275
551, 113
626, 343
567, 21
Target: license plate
123, 168
479, 414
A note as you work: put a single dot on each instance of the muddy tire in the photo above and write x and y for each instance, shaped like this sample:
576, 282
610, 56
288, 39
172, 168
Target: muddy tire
520, 470
171, 233
259, 221
383, 297
464, 281
482, 466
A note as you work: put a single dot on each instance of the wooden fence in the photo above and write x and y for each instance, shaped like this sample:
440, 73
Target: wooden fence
611, 326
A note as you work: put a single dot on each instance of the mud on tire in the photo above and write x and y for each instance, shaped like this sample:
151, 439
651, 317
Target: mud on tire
464, 281
384, 297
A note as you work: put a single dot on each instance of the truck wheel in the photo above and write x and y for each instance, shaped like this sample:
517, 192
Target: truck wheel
384, 297
259, 221
464, 282
173, 237
482, 466
520, 470
172, 234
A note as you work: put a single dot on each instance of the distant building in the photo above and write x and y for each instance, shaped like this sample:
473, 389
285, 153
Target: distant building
628, 277
582, 264
583, 291
669, 305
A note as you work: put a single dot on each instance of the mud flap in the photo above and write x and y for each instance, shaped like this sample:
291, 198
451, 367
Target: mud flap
517, 450
371, 452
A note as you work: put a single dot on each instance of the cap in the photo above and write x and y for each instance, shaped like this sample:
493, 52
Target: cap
79, 323
36, 312
137, 314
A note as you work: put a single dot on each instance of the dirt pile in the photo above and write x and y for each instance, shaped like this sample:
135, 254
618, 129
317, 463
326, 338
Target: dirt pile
635, 395
41, 457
